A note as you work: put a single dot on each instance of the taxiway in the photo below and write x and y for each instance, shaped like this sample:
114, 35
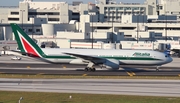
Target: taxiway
142, 87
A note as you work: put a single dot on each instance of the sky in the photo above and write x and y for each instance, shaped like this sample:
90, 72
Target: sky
16, 2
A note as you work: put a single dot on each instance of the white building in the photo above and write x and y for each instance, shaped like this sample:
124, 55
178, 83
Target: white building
54, 12
169, 7
111, 11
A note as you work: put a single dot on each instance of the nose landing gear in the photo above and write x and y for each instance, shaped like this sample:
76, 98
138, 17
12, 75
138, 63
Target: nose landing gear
157, 68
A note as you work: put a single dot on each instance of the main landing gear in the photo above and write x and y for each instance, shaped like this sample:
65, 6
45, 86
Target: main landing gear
88, 69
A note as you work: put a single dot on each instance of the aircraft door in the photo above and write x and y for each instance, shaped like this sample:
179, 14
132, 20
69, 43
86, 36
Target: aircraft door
129, 58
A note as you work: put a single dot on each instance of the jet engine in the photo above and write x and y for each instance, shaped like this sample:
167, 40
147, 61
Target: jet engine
112, 64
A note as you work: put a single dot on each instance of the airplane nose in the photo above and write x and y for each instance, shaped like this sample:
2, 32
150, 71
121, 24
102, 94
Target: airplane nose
169, 60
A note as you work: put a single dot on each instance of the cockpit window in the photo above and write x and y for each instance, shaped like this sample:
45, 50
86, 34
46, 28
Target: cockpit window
167, 55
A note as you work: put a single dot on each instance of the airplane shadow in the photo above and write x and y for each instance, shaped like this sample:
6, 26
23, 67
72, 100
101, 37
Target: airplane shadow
131, 69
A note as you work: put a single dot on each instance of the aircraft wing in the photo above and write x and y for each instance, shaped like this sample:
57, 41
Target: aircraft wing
27, 55
22, 53
16, 52
95, 60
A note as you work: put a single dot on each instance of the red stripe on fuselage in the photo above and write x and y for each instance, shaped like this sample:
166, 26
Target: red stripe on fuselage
29, 49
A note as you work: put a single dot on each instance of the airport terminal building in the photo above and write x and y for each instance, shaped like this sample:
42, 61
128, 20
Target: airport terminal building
105, 21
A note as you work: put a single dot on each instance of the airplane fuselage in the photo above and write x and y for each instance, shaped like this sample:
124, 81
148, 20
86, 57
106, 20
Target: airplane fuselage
125, 57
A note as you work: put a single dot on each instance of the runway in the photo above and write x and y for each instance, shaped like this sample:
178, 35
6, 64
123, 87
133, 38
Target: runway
142, 87
28, 66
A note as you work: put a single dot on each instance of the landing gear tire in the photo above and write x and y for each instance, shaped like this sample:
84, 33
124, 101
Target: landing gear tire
157, 69
93, 69
86, 69
89, 69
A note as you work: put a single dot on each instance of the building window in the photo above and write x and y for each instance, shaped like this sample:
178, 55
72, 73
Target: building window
112, 8
76, 14
142, 8
105, 13
119, 8
127, 35
43, 13
13, 19
135, 8
38, 30
103, 28
14, 13
53, 19
127, 8
77, 19
29, 30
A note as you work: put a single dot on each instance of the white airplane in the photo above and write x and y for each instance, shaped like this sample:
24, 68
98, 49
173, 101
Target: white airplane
110, 59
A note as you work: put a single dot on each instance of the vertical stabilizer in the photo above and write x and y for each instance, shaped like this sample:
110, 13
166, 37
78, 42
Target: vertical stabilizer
25, 43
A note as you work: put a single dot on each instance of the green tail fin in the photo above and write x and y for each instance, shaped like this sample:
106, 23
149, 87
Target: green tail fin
25, 43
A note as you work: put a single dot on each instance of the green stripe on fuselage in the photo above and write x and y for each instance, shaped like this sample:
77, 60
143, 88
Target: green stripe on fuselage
59, 57
131, 58
117, 58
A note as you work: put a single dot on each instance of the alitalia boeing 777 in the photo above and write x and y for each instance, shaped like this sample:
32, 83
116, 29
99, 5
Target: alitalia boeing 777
108, 58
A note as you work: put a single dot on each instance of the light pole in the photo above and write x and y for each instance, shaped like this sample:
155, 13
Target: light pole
22, 17
32, 26
20, 99
92, 30
112, 28
47, 18
91, 19
166, 24
137, 28
143, 19
2, 20
166, 28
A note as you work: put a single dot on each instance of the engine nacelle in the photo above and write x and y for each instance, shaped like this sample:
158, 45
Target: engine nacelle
77, 61
112, 64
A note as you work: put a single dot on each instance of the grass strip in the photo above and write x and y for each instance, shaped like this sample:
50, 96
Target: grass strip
42, 97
